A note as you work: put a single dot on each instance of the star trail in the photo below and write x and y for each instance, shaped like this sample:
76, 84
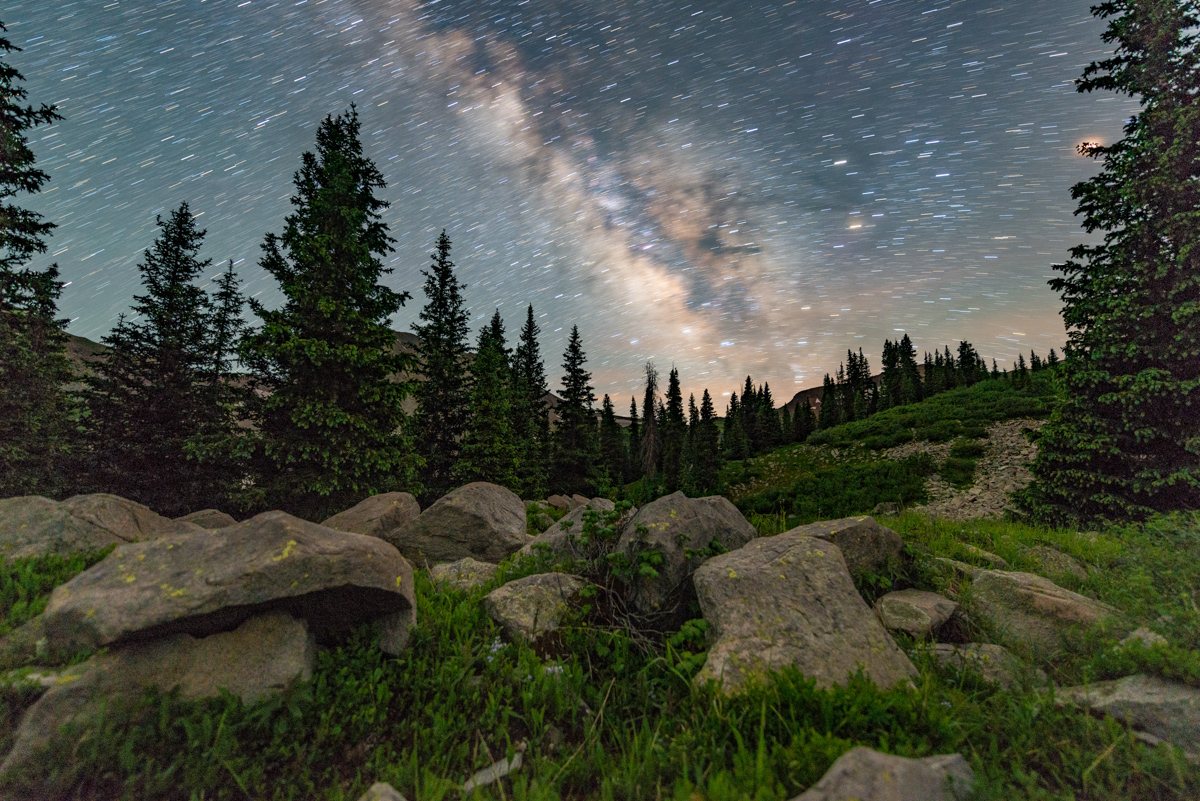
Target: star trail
730, 187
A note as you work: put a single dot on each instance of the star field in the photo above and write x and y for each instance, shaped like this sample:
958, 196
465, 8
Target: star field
730, 187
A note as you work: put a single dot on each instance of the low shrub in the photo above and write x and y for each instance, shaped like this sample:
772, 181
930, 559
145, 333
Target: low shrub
842, 490
959, 472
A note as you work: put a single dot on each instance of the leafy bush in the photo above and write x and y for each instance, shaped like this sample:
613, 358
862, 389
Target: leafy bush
959, 472
846, 489
967, 449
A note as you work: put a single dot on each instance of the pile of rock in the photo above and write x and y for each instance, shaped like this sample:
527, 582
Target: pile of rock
31, 525
205, 603
1002, 470
242, 608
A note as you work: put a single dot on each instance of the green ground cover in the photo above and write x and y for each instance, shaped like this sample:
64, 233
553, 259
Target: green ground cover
960, 412
603, 714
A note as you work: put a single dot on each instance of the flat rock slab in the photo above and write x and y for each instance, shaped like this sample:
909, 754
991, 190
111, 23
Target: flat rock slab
465, 574
986, 557
862, 774
257, 659
204, 582
532, 606
1143, 637
379, 791
31, 525
916, 612
1031, 610
789, 600
866, 545
209, 518
993, 663
684, 530
1056, 563
1166, 709
558, 534
480, 520
377, 514
128, 520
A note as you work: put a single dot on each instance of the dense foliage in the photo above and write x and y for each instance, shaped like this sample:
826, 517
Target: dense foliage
443, 395
162, 383
329, 423
1126, 443
35, 430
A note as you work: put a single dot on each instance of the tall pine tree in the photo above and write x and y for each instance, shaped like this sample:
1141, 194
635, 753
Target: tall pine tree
575, 437
329, 418
487, 451
159, 386
531, 418
633, 463
35, 425
674, 434
444, 392
707, 447
612, 446
1125, 443
651, 455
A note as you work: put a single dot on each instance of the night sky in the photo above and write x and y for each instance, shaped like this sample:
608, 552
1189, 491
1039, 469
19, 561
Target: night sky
729, 187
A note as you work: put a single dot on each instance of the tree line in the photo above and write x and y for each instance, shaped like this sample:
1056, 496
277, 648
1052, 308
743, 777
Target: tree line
190, 407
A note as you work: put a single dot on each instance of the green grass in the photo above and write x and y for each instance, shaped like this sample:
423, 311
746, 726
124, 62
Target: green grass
613, 721
606, 715
26, 584
960, 412
840, 490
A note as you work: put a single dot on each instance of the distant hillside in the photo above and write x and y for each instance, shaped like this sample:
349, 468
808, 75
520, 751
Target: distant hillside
814, 393
81, 351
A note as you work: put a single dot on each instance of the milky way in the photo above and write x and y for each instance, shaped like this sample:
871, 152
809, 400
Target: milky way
730, 187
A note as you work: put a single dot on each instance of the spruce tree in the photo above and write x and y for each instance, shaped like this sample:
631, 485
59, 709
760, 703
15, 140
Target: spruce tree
651, 455
444, 392
612, 446
787, 426
892, 382
674, 433
830, 405
35, 413
1052, 359
531, 418
735, 443
157, 386
487, 451
331, 430
750, 404
970, 366
220, 443
769, 434
912, 388
707, 447
806, 422
575, 441
633, 456
1125, 442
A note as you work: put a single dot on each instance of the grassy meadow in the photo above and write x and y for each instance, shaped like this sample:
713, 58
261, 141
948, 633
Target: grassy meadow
598, 712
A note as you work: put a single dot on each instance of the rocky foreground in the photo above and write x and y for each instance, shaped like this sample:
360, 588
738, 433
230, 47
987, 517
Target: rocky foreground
206, 602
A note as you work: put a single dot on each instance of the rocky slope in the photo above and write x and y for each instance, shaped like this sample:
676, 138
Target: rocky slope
1002, 470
